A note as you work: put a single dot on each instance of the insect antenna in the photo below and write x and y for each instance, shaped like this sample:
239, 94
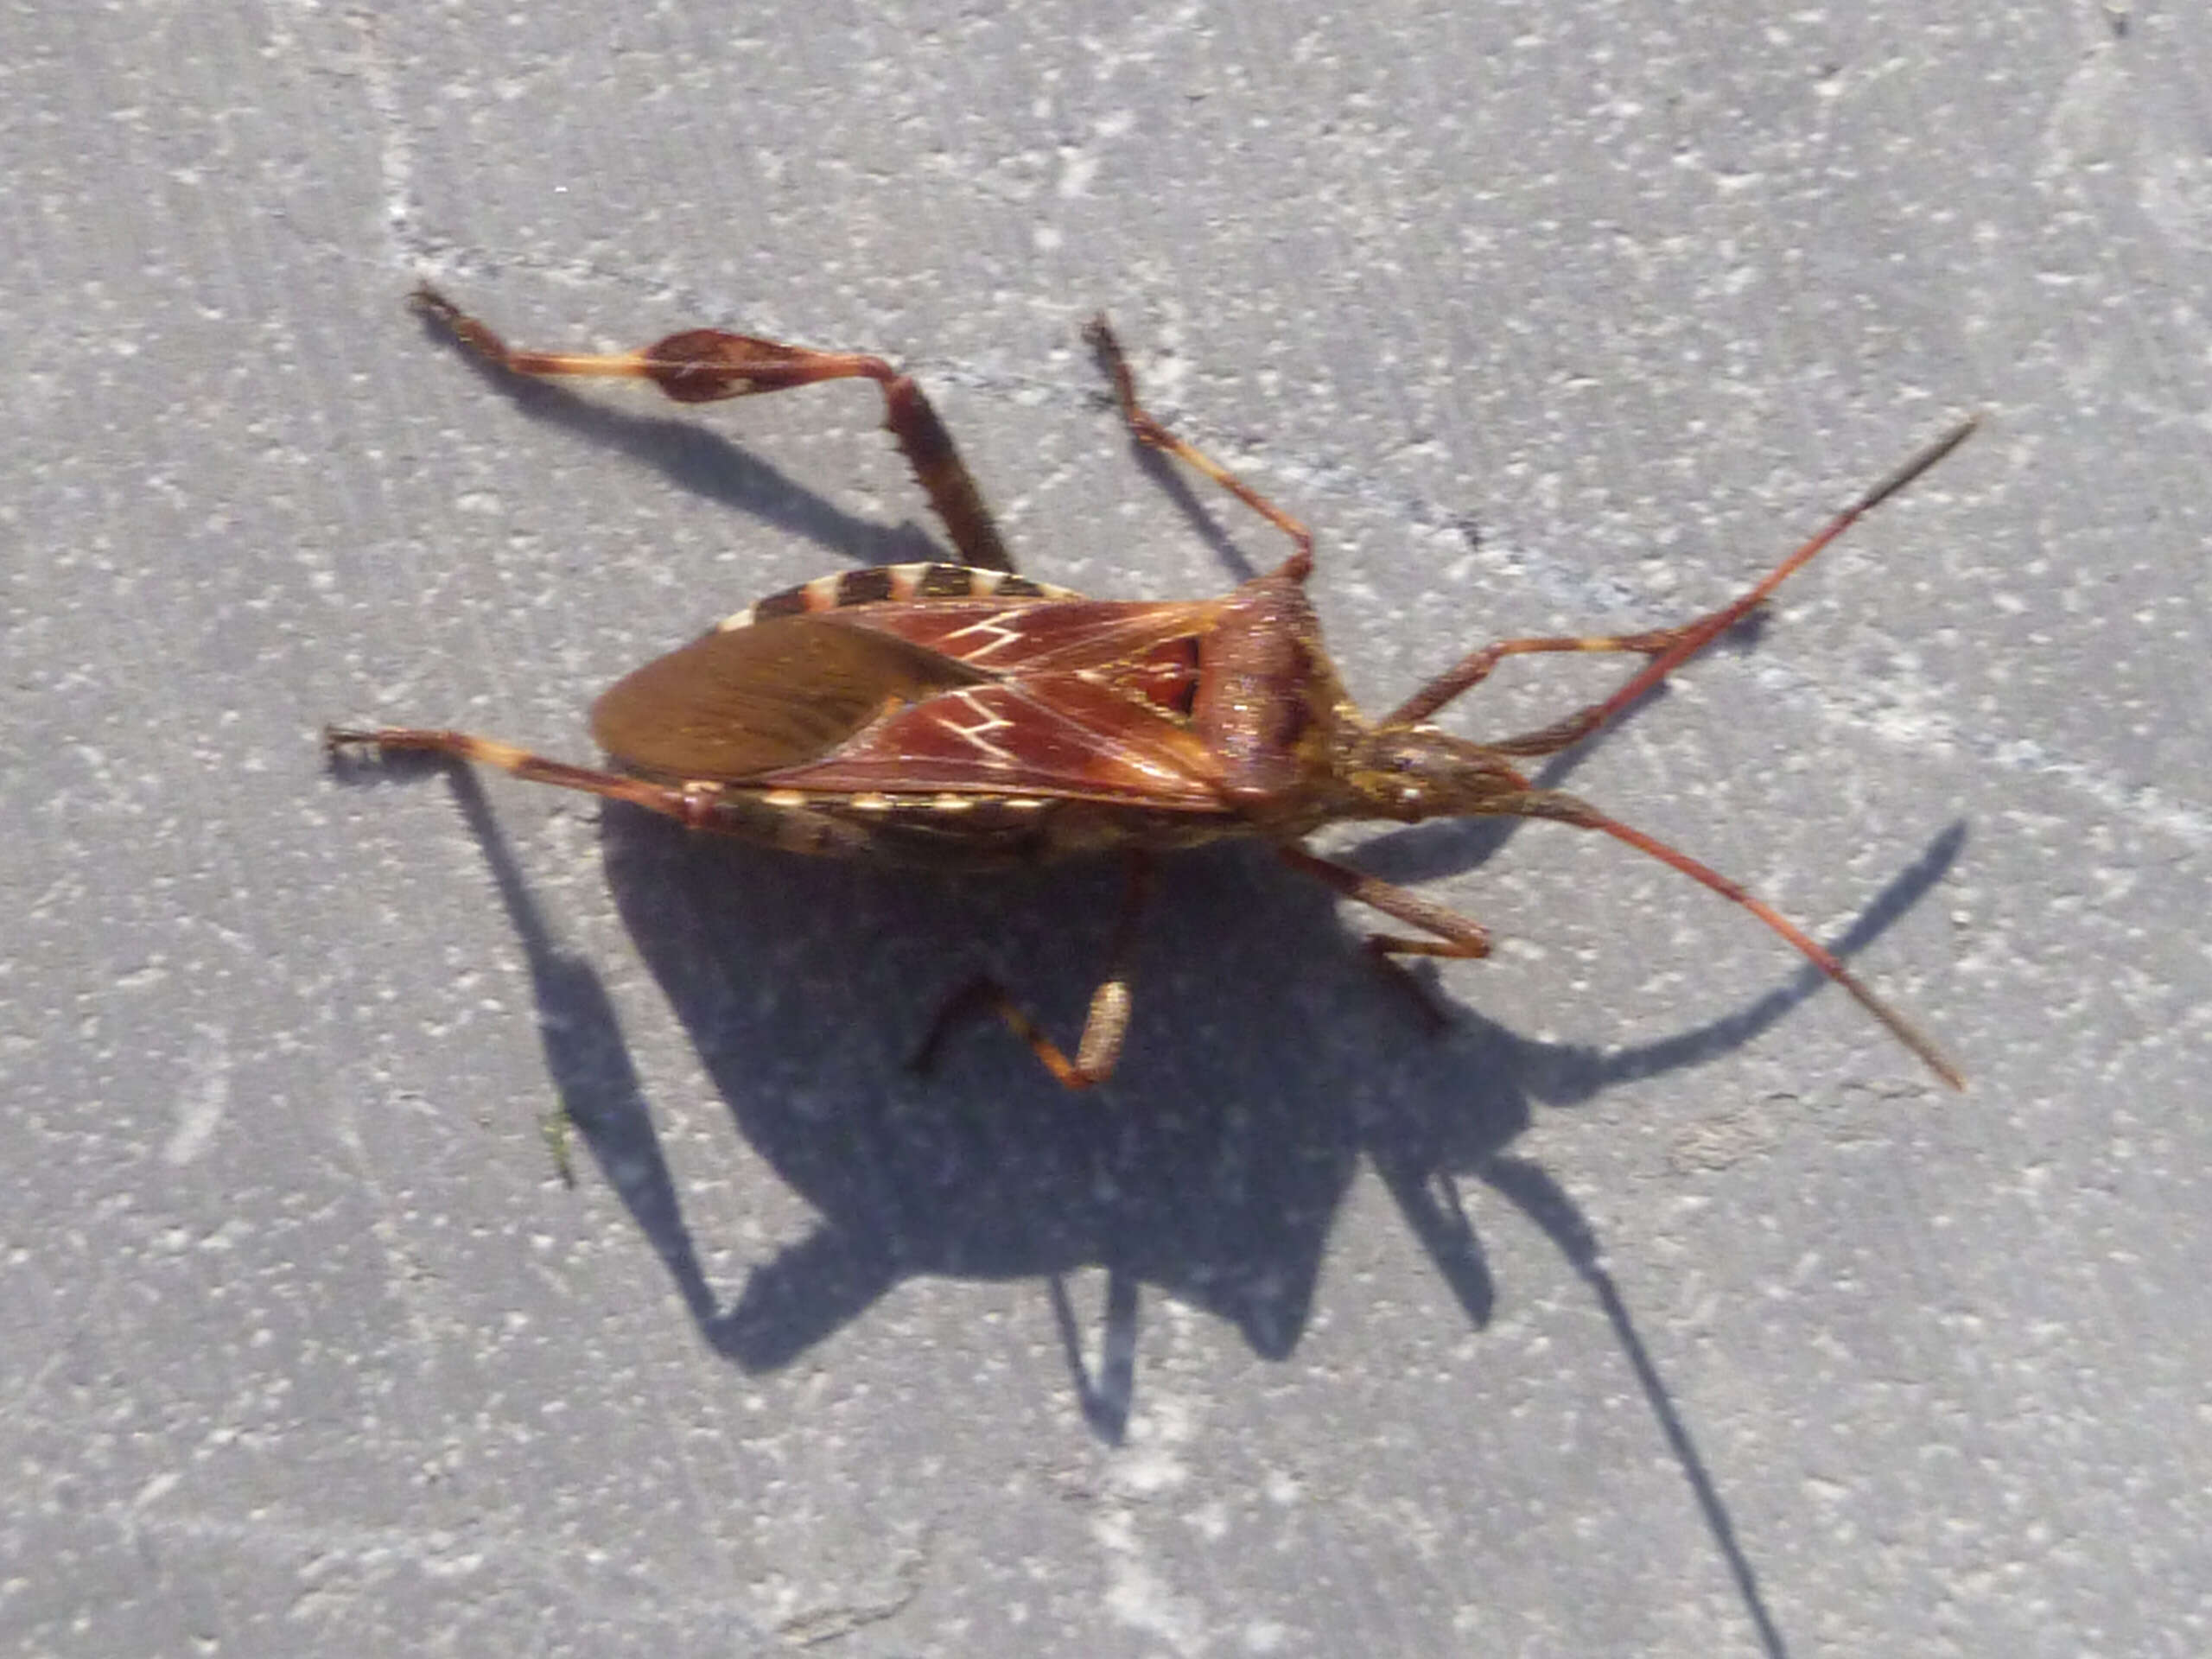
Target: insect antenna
1567, 808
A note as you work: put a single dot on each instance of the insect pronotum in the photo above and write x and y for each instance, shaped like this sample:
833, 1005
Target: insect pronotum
964, 716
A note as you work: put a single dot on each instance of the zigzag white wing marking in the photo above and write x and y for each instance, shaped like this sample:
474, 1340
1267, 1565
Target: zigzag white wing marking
996, 632
979, 734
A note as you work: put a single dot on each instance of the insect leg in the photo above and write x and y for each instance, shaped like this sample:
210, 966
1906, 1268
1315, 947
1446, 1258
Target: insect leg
1457, 936
1476, 667
1150, 432
489, 752
708, 807
701, 365
1104, 1028
1669, 648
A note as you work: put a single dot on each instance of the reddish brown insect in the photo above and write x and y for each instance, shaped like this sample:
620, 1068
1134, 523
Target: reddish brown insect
963, 717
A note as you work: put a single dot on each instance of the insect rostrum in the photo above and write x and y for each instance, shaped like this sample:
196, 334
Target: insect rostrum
963, 717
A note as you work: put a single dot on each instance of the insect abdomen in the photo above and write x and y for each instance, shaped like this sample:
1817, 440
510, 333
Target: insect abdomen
884, 582
950, 831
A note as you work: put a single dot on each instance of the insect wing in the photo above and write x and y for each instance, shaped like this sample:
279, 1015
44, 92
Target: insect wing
1062, 734
1076, 698
732, 706
1021, 638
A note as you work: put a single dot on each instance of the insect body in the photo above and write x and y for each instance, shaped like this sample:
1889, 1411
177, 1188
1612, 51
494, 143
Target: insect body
964, 716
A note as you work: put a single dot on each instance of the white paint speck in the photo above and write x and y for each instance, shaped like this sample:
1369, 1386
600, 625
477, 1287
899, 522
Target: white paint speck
204, 1098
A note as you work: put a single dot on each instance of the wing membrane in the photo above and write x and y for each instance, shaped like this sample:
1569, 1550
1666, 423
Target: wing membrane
732, 706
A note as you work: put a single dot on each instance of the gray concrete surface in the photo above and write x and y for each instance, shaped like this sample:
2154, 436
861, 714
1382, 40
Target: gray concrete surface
1660, 1306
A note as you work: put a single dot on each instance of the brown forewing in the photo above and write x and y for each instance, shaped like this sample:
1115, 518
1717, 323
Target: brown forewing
1055, 734
1076, 698
1086, 699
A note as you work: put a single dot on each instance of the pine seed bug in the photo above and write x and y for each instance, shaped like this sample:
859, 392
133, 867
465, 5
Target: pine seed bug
964, 716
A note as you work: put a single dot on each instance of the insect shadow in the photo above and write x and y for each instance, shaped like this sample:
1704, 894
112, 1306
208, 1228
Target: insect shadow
1210, 1171
1272, 1061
